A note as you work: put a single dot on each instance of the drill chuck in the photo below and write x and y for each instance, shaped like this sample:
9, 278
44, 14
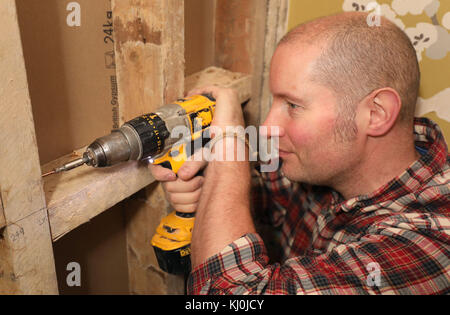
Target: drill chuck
143, 137
119, 146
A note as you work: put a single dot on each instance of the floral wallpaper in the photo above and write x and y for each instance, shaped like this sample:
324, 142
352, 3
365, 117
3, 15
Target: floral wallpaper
427, 24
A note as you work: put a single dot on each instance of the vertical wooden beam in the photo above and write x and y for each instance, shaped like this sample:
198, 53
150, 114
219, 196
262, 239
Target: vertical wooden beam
246, 33
239, 27
26, 264
276, 27
199, 32
149, 46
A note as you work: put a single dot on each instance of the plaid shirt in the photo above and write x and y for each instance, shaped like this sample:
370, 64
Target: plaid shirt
393, 241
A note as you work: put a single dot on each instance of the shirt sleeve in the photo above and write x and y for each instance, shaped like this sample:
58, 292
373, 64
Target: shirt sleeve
392, 258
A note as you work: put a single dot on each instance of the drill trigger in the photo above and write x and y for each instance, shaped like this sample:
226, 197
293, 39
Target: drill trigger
166, 164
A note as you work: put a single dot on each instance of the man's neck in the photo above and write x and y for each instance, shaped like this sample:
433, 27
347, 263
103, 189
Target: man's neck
383, 160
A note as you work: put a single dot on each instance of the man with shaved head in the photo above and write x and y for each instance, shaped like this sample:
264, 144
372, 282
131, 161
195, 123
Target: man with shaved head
361, 203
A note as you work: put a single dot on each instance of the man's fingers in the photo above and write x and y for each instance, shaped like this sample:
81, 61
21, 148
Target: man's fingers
188, 171
192, 166
162, 174
184, 198
181, 186
212, 89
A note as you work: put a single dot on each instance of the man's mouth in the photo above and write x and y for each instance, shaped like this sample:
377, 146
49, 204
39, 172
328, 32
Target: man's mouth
282, 153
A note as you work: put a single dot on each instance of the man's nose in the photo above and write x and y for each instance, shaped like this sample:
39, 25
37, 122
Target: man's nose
272, 126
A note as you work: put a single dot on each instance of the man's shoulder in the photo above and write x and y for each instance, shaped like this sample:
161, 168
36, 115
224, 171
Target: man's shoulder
425, 209
435, 193
411, 203
419, 191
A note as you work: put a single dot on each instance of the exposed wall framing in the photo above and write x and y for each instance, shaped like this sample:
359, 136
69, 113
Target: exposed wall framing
149, 52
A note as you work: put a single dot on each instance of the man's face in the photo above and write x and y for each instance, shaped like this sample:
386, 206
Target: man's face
306, 113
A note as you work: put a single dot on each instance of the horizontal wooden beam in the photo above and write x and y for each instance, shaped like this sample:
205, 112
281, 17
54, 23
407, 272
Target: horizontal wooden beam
242, 83
77, 196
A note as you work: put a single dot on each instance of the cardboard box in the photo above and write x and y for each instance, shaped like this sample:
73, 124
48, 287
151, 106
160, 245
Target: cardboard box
69, 56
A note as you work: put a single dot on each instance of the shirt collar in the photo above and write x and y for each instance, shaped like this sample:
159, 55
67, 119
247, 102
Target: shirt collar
434, 156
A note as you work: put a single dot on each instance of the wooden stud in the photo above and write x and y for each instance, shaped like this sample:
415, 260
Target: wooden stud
237, 34
149, 44
149, 47
246, 35
27, 264
276, 27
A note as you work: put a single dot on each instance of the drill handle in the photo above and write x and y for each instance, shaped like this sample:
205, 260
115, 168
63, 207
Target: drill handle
177, 155
173, 159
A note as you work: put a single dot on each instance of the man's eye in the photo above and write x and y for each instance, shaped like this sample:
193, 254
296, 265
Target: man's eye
292, 106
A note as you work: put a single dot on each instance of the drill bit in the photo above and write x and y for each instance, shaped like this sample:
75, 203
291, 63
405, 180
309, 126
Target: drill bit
69, 166
49, 173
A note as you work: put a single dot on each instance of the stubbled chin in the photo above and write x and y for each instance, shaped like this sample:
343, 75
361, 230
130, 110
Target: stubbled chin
285, 170
289, 173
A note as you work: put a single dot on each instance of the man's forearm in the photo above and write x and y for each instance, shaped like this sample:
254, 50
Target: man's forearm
223, 214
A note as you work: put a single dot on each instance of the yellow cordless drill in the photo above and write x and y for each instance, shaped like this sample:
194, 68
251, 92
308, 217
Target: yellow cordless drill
155, 137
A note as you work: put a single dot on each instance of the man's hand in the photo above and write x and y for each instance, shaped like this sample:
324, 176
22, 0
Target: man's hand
182, 192
228, 112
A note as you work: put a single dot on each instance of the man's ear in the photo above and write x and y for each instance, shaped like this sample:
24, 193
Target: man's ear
382, 108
